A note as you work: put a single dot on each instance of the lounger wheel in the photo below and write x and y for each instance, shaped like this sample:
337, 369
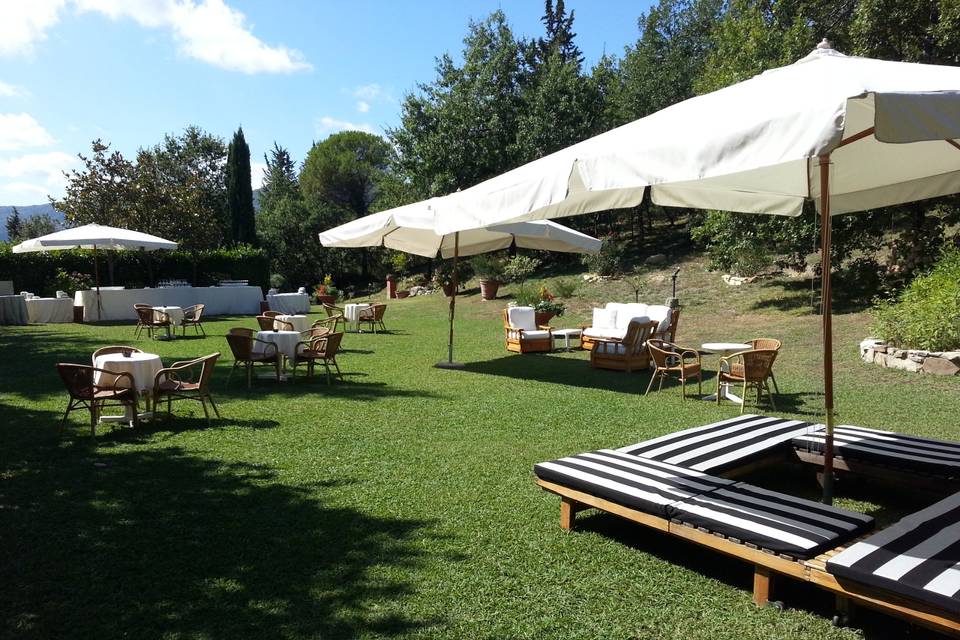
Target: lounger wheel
840, 620
776, 604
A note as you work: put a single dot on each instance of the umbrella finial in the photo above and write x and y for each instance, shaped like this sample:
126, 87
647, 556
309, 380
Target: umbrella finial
825, 44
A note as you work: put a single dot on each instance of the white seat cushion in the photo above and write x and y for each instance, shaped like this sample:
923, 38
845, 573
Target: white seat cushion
535, 335
661, 314
604, 319
594, 332
522, 318
627, 312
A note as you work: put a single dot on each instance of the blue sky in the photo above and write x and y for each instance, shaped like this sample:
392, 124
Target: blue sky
294, 71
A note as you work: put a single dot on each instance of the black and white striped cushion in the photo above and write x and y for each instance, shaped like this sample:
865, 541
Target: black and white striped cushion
785, 524
917, 557
721, 445
938, 457
645, 485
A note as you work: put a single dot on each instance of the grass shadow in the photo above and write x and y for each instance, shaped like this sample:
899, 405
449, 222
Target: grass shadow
557, 369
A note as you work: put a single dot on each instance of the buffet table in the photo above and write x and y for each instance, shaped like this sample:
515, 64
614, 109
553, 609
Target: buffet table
118, 304
289, 303
13, 310
49, 310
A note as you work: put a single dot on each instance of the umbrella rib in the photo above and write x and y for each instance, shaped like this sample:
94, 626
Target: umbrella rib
857, 136
952, 143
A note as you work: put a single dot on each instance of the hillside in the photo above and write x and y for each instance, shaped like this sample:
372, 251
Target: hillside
26, 211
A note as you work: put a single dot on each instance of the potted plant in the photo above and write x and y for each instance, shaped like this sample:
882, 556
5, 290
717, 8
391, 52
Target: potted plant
443, 276
326, 292
547, 307
277, 281
490, 272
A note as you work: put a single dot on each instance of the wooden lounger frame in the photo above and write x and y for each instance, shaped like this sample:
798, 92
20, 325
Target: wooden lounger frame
887, 473
766, 564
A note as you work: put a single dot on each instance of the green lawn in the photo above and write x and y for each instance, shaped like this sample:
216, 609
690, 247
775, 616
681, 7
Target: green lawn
401, 503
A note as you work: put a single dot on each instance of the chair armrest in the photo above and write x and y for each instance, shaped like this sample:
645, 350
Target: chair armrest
116, 377
267, 345
544, 327
172, 371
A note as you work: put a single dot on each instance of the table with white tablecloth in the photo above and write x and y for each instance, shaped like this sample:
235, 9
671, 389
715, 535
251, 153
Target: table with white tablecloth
300, 323
291, 303
217, 301
13, 310
50, 310
286, 342
142, 366
351, 312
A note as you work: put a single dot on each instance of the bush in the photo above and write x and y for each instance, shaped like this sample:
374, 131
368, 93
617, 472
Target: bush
277, 281
487, 267
526, 297
608, 262
565, 288
519, 268
926, 315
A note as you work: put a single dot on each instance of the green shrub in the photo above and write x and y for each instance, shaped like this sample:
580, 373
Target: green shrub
608, 262
526, 297
487, 267
519, 268
565, 288
926, 315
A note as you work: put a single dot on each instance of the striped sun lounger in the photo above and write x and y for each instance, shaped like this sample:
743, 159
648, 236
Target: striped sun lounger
723, 445
886, 448
919, 557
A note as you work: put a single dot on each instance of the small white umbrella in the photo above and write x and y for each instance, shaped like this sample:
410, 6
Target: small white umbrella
411, 229
94, 236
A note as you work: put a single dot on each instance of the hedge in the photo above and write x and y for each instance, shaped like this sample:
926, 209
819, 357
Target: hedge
37, 272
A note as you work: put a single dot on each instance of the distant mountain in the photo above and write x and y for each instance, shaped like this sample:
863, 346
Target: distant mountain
25, 212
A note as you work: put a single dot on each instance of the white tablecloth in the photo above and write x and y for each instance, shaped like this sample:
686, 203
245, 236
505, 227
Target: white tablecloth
46, 310
118, 304
292, 303
13, 310
174, 313
286, 341
142, 366
300, 323
351, 312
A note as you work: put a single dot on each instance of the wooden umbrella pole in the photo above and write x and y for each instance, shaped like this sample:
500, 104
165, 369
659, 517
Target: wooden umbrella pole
827, 318
96, 277
453, 297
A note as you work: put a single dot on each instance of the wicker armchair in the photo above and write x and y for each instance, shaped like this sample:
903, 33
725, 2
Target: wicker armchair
244, 346
150, 319
330, 324
192, 317
522, 333
668, 359
749, 368
627, 354
271, 323
102, 351
271, 314
373, 316
761, 343
322, 349
187, 380
86, 393
312, 334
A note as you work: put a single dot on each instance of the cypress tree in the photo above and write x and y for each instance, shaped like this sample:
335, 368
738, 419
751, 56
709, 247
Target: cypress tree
240, 191
14, 226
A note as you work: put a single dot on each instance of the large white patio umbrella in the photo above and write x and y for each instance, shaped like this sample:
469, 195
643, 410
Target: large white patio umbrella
94, 236
848, 133
410, 228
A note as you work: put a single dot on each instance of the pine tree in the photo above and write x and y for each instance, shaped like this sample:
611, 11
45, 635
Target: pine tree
279, 178
14, 226
240, 191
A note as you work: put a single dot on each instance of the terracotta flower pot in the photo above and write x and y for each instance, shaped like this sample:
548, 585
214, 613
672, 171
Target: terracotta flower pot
325, 299
403, 294
544, 317
489, 288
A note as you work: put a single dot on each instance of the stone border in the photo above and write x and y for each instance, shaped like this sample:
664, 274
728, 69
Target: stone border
941, 363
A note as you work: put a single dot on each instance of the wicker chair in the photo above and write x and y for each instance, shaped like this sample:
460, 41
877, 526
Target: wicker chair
86, 393
761, 343
323, 349
627, 354
270, 323
187, 380
150, 319
271, 314
330, 324
243, 345
336, 312
522, 334
102, 351
191, 316
752, 372
312, 334
668, 359
373, 316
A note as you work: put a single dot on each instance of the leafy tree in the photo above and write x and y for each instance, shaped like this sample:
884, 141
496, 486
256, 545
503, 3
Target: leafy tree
38, 224
101, 192
240, 191
559, 40
279, 178
14, 228
288, 231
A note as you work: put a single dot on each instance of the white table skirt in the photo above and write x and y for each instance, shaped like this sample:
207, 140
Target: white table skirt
290, 303
300, 323
174, 313
50, 310
286, 342
118, 304
351, 312
13, 310
142, 366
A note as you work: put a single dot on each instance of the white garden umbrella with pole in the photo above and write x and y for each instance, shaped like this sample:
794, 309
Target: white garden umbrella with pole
411, 229
94, 236
848, 133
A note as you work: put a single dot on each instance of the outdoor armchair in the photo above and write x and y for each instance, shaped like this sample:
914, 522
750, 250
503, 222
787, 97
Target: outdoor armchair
271, 323
86, 393
373, 316
271, 314
192, 316
670, 359
322, 349
749, 368
102, 351
248, 351
762, 343
187, 380
327, 323
148, 318
522, 333
627, 354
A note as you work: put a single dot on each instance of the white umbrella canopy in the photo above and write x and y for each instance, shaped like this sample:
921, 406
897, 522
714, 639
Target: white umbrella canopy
411, 229
94, 236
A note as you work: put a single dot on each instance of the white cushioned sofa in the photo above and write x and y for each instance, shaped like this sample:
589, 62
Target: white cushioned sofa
611, 322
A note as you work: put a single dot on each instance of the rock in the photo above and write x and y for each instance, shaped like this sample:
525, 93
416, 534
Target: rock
952, 356
868, 355
940, 367
656, 259
736, 281
904, 364
880, 358
916, 357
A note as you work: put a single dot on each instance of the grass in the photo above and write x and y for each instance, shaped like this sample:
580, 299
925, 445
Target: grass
400, 503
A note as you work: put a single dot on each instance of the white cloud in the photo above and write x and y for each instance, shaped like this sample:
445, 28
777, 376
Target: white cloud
362, 106
11, 91
206, 30
326, 125
22, 131
23, 178
367, 91
24, 23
